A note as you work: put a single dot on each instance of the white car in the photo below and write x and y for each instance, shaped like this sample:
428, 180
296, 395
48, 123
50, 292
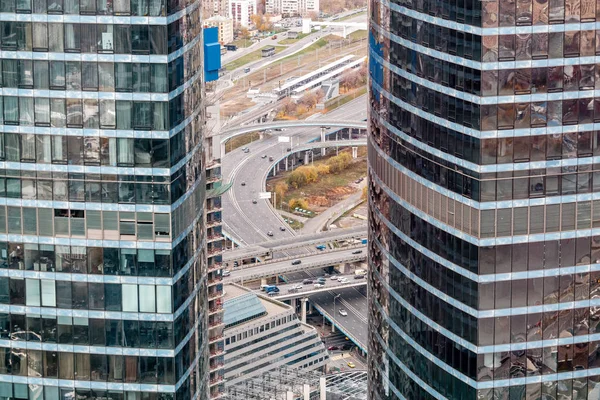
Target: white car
343, 313
342, 280
334, 278
226, 272
297, 287
318, 285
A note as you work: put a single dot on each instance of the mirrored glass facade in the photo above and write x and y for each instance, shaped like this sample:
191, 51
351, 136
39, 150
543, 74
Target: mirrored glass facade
103, 272
484, 199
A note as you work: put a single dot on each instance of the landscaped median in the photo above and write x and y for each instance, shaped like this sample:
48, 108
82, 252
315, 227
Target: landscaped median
250, 57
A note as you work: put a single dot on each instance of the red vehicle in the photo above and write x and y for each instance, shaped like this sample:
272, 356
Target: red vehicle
330, 348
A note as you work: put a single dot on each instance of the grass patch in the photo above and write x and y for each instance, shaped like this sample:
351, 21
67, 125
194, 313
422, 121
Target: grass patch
250, 57
358, 35
242, 43
295, 225
313, 47
326, 183
351, 16
241, 140
343, 99
292, 41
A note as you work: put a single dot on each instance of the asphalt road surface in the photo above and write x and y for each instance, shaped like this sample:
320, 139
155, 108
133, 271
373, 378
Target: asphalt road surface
354, 302
250, 222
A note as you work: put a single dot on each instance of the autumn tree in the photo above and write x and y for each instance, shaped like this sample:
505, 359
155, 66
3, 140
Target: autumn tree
296, 179
262, 22
280, 190
300, 203
323, 169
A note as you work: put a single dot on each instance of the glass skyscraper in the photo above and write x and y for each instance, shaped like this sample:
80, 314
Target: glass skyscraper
103, 273
484, 154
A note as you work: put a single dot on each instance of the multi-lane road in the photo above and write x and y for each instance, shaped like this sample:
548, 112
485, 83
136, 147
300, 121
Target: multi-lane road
250, 222
272, 268
292, 49
354, 302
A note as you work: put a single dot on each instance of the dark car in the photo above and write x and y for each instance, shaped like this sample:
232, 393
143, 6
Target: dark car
357, 252
243, 183
271, 158
296, 262
346, 347
254, 201
307, 282
282, 229
270, 233
359, 276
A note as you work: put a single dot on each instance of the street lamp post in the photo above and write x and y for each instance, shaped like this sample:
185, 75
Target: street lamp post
333, 317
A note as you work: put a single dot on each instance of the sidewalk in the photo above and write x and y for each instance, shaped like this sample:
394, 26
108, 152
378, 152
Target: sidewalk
299, 218
317, 223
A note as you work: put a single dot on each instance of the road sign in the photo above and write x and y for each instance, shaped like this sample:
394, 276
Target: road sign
283, 139
264, 195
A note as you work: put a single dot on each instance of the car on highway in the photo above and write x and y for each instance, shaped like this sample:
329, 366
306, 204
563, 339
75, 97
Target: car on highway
279, 129
288, 149
318, 285
359, 276
343, 313
298, 287
243, 183
270, 233
296, 262
351, 364
334, 278
254, 201
282, 229
271, 294
357, 252
330, 348
307, 282
274, 37
246, 70
271, 158
263, 156
226, 272
342, 280
292, 290
247, 151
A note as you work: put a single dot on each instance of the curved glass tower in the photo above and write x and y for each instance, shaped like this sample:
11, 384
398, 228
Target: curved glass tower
103, 278
484, 197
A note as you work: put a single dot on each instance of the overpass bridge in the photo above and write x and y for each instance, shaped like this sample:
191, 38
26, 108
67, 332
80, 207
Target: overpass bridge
277, 267
267, 249
307, 23
227, 134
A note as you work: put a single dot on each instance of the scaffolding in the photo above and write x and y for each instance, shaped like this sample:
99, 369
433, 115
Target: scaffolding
277, 385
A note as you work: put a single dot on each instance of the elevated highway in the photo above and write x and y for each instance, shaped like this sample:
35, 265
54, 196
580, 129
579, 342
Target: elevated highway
314, 123
276, 267
270, 247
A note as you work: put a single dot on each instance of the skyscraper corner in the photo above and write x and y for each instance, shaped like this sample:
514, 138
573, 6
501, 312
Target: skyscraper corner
103, 264
483, 213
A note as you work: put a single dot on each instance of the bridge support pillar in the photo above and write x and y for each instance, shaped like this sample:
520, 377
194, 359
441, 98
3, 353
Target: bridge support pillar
303, 310
293, 304
261, 135
286, 163
323, 150
355, 152
344, 32
222, 149
310, 308
306, 160
342, 268
263, 281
